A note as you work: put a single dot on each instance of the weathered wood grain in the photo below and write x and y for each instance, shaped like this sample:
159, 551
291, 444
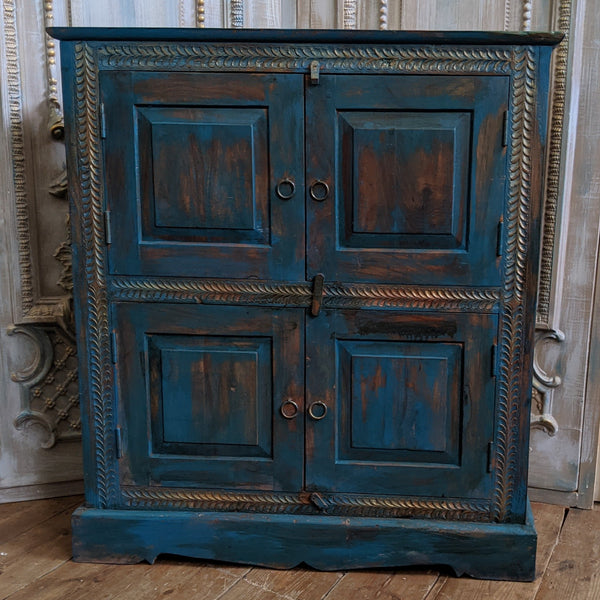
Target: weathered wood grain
18, 518
36, 551
406, 584
574, 570
296, 584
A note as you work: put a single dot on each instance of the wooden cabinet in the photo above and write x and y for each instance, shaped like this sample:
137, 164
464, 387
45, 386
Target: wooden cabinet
306, 268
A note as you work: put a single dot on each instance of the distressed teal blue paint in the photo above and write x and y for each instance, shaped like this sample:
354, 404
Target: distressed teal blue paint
216, 385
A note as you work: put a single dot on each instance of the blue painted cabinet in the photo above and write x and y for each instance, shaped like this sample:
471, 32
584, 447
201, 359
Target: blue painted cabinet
306, 267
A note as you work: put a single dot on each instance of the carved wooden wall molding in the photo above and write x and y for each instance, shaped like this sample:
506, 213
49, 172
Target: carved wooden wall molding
553, 177
51, 379
544, 384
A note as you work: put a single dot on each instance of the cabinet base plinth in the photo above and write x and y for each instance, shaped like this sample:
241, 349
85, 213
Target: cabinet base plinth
482, 550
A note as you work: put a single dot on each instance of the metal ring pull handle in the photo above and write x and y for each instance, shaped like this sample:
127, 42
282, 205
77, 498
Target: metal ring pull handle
319, 191
285, 189
321, 411
288, 409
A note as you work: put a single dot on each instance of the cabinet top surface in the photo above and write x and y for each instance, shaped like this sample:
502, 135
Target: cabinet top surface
302, 36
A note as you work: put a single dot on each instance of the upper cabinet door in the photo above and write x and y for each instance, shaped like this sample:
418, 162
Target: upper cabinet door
405, 178
204, 174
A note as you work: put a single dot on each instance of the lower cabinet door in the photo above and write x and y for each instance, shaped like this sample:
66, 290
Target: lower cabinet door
210, 396
400, 403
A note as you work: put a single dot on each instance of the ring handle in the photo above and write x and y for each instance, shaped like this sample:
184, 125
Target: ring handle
285, 189
288, 409
320, 412
319, 191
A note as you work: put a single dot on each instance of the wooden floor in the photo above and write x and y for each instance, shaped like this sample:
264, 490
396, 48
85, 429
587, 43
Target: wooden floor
35, 564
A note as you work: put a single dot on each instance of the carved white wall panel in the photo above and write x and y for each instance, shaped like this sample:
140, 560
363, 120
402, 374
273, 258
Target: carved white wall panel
127, 13
319, 14
262, 14
441, 14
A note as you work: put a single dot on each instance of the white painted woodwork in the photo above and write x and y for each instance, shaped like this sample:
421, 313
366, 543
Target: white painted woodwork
563, 465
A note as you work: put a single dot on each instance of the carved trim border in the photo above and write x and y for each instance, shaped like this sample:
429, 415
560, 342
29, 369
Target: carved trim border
519, 62
211, 291
100, 376
305, 503
509, 389
349, 19
13, 75
553, 177
407, 59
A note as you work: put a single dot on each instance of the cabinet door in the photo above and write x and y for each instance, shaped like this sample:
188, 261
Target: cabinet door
210, 397
400, 404
405, 178
204, 174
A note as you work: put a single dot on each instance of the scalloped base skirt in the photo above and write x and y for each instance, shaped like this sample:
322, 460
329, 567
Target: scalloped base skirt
483, 550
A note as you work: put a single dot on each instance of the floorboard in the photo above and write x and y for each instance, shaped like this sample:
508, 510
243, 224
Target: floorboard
35, 565
16, 518
574, 569
35, 552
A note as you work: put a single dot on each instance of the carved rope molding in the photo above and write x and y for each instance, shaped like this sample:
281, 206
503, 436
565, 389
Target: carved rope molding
100, 376
300, 294
305, 503
513, 323
519, 63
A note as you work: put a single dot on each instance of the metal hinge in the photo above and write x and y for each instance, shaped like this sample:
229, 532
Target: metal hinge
107, 229
493, 360
317, 295
499, 235
102, 121
505, 129
490, 456
315, 67
113, 346
118, 442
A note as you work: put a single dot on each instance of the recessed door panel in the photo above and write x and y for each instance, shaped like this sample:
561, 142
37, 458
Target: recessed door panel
203, 177
400, 403
206, 178
207, 395
405, 178
212, 396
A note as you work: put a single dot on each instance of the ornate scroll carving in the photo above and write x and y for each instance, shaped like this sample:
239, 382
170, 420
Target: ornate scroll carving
557, 115
143, 56
513, 326
544, 384
94, 261
331, 504
52, 399
212, 291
